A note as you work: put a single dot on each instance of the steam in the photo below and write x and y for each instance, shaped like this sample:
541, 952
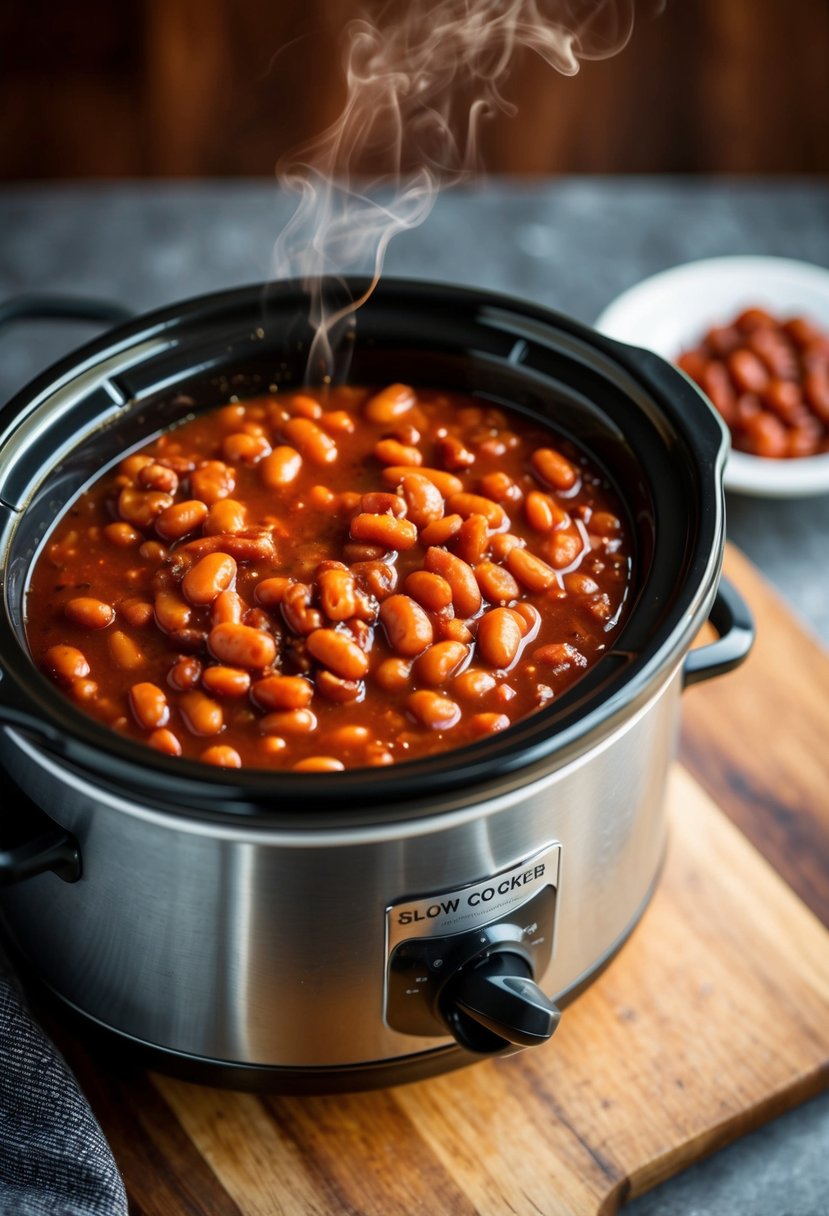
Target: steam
420, 79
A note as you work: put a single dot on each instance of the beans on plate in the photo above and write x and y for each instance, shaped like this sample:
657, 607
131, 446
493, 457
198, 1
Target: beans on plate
769, 379
325, 580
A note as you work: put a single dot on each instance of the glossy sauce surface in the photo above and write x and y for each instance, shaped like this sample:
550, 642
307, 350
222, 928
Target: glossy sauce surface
314, 581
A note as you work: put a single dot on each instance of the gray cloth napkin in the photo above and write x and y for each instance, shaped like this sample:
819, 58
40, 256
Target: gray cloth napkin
54, 1160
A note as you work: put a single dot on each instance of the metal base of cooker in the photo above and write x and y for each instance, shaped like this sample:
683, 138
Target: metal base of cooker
114, 1048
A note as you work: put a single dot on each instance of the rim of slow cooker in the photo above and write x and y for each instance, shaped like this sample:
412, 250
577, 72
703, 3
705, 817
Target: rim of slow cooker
374, 795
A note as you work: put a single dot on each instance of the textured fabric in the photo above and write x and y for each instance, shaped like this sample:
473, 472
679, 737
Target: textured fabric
54, 1160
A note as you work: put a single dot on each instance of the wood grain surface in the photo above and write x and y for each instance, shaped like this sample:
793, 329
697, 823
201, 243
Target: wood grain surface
711, 1020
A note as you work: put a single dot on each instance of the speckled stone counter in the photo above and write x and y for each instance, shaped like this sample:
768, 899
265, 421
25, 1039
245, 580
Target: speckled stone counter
572, 244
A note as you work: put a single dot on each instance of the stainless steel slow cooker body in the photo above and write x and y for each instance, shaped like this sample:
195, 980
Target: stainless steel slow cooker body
315, 930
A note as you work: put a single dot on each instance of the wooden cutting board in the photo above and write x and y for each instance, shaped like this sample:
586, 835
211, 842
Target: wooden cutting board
712, 1019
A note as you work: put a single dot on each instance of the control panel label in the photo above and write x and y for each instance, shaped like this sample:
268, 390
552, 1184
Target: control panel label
477, 904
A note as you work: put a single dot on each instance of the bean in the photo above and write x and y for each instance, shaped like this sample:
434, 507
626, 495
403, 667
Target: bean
472, 539
149, 706
335, 688
123, 535
171, 612
502, 544
319, 764
281, 468
559, 655
453, 629
440, 661
188, 641
384, 530
497, 584
580, 584
339, 652
156, 476
297, 610
376, 755
310, 441
185, 673
141, 507
554, 469
430, 590
270, 592
124, 651
89, 613
211, 481
390, 403
393, 674
693, 363
231, 416
753, 318
424, 501
301, 406
348, 737
466, 595
433, 710
446, 483
441, 531
499, 637
378, 578
381, 503
152, 551
202, 715
222, 756
165, 741
488, 724
241, 646
289, 722
227, 607
392, 452
338, 594
529, 570
226, 681
565, 548
716, 384
208, 578
136, 612
602, 523
338, 422
543, 513
721, 340
244, 448
132, 465
464, 504
816, 391
272, 745
82, 689
282, 692
747, 372
501, 488
226, 515
529, 619
453, 454
764, 435
473, 683
408, 628
66, 662
181, 518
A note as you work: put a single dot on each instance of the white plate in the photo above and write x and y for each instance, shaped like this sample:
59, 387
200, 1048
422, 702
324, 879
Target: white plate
671, 312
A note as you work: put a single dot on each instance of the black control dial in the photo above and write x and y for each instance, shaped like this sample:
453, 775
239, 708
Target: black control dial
493, 1002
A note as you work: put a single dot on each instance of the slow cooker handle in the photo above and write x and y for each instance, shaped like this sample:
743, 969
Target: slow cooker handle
63, 308
731, 617
31, 843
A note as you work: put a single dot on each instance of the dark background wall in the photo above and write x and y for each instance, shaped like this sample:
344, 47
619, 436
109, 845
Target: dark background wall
189, 87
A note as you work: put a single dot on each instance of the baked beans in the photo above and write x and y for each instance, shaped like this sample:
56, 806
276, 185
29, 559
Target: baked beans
324, 580
769, 379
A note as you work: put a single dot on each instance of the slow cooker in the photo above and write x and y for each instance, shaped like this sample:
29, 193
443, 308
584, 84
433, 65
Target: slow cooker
321, 931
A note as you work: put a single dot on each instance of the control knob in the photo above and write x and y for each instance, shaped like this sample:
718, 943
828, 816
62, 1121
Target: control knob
493, 1002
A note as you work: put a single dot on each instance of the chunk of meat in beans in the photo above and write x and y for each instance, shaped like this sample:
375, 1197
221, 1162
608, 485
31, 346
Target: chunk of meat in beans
351, 577
769, 379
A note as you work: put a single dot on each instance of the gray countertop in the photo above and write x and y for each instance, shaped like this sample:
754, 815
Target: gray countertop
572, 244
